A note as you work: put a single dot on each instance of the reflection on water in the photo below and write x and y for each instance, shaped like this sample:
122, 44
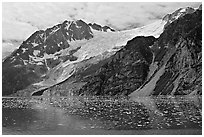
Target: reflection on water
93, 115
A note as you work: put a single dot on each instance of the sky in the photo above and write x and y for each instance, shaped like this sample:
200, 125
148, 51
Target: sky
21, 19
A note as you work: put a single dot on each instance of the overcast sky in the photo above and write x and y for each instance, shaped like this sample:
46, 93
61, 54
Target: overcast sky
20, 20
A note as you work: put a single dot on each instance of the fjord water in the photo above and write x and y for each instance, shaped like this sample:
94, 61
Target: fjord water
94, 115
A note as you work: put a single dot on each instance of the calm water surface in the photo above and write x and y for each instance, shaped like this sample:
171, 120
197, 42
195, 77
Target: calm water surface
77, 115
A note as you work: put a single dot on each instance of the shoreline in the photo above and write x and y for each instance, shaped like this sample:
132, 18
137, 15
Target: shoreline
108, 132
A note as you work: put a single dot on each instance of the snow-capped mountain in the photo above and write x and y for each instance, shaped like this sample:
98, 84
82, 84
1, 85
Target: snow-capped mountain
74, 49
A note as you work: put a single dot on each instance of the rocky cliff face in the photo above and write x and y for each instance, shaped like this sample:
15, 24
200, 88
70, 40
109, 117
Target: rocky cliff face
177, 66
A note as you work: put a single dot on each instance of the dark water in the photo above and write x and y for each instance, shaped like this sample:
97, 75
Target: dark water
77, 115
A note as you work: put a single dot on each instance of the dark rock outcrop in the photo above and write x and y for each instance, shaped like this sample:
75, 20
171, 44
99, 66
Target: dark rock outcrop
183, 70
100, 28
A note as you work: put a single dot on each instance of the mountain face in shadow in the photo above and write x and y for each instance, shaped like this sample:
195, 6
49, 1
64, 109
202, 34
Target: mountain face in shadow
177, 66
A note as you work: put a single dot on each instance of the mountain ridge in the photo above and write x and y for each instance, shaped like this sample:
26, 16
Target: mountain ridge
49, 65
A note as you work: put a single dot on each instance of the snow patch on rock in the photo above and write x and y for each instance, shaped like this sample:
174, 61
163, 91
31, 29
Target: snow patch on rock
34, 44
24, 50
36, 52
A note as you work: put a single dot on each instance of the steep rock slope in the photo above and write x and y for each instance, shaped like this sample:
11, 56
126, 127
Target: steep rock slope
177, 66
124, 72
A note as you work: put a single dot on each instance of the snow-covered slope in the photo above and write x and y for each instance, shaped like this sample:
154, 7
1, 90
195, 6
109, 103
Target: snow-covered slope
109, 41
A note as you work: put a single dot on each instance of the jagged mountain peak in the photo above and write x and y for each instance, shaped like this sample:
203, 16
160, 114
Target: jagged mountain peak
200, 7
169, 18
77, 23
100, 28
55, 38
